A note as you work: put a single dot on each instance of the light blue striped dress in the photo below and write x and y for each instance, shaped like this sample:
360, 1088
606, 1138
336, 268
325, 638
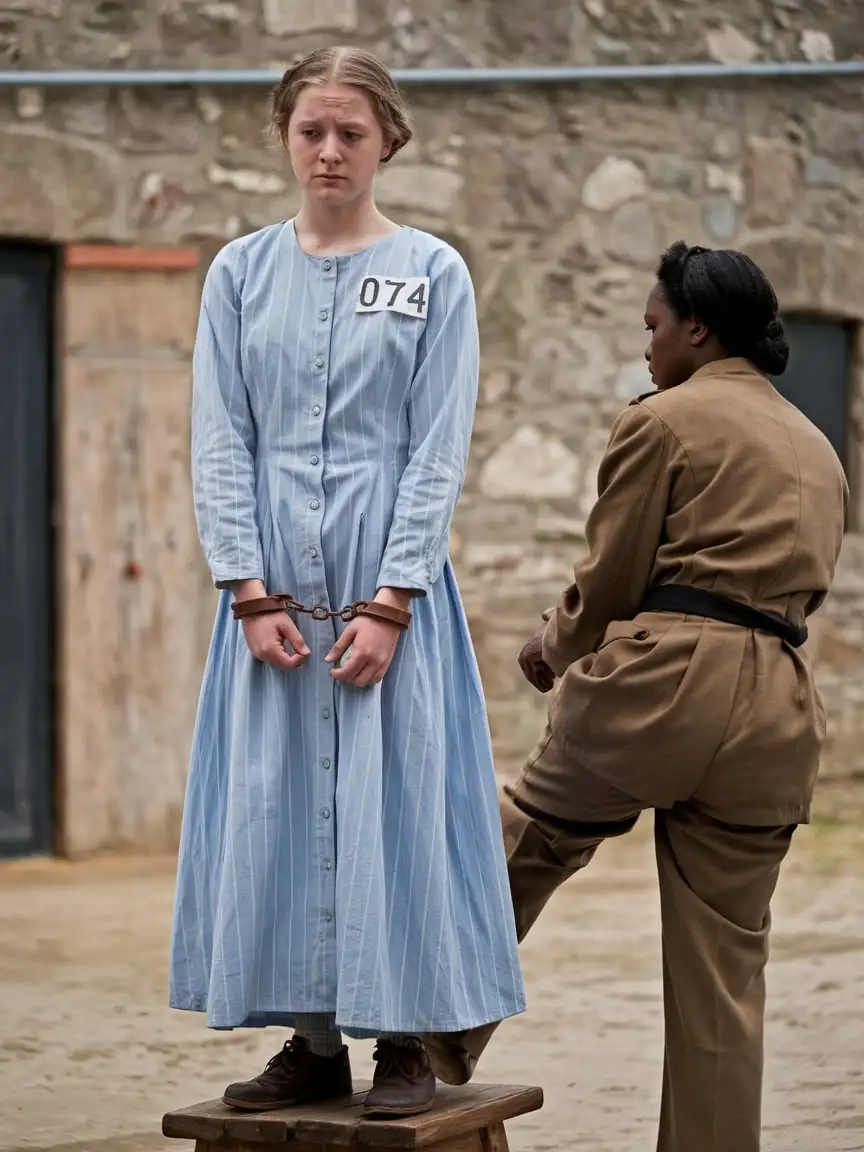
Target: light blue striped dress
341, 848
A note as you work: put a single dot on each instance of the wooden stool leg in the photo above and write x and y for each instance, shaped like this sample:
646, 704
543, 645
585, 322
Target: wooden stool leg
493, 1139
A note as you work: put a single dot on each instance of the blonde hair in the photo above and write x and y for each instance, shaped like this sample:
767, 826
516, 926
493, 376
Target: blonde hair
352, 66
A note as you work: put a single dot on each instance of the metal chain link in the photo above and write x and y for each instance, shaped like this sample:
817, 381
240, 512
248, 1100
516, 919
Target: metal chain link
319, 612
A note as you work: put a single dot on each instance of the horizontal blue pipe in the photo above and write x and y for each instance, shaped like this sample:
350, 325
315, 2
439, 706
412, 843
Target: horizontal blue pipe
445, 76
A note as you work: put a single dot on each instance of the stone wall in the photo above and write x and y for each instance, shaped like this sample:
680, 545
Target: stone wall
559, 198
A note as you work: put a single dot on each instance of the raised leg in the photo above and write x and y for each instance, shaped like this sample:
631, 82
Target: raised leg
542, 852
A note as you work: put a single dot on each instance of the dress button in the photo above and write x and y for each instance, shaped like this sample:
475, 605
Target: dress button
326, 713
323, 314
313, 552
326, 763
313, 459
328, 865
328, 916
328, 264
325, 812
314, 505
316, 410
319, 361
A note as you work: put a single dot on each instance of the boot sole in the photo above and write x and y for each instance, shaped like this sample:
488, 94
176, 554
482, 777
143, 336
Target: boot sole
249, 1106
394, 1113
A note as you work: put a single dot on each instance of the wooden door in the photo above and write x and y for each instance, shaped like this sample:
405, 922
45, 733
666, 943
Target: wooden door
136, 601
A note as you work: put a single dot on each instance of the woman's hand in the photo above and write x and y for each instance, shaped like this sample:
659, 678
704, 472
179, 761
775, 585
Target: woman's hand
373, 646
534, 668
372, 642
266, 634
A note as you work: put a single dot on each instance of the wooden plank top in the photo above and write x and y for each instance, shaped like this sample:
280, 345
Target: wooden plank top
456, 1111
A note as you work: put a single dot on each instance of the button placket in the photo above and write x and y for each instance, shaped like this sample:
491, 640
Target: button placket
322, 333
324, 776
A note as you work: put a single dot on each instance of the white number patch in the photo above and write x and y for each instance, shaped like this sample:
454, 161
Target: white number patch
389, 294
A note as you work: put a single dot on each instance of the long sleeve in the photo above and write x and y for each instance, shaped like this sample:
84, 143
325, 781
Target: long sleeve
623, 533
223, 432
441, 408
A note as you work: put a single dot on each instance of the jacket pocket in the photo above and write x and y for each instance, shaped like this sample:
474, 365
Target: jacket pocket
623, 630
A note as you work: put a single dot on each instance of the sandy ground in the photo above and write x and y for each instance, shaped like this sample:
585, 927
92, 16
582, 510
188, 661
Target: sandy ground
90, 1057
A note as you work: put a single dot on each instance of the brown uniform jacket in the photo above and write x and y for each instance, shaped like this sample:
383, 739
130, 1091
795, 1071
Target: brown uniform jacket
722, 484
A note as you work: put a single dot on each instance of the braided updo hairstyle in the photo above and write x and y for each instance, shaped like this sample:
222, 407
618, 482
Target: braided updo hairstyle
732, 297
352, 66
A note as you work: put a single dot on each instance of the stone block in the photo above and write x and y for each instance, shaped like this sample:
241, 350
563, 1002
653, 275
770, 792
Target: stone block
727, 45
563, 364
721, 219
772, 180
835, 131
420, 189
678, 217
250, 180
677, 173
632, 235
725, 180
530, 466
294, 17
828, 210
158, 121
539, 183
516, 32
816, 46
795, 266
30, 103
820, 172
84, 113
844, 279
725, 144
613, 182
55, 188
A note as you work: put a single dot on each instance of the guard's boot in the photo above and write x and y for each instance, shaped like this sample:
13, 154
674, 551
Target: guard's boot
454, 1055
294, 1076
451, 1061
403, 1084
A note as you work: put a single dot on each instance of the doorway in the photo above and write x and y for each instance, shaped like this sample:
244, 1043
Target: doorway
27, 280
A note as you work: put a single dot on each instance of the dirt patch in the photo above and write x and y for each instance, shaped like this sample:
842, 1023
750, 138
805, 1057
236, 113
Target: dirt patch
90, 1056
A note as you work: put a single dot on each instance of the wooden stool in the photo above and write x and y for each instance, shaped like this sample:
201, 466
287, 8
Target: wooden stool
469, 1119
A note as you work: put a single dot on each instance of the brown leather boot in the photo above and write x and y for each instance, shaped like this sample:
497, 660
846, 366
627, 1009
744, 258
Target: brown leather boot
294, 1076
403, 1084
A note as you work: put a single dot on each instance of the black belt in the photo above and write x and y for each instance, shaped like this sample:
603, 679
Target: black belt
700, 602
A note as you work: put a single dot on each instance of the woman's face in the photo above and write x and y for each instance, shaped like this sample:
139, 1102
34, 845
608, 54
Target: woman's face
335, 143
671, 354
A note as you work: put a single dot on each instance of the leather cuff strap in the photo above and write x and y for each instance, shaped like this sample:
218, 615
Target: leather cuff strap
258, 606
386, 612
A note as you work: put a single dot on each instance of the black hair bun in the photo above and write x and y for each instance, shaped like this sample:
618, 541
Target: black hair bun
771, 352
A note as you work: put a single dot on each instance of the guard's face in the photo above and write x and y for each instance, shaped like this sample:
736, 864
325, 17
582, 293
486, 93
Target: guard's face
671, 352
335, 142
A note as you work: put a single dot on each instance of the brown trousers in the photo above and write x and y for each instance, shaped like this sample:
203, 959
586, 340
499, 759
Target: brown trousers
716, 885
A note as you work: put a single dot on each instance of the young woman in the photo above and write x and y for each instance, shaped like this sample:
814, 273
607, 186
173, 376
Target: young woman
341, 864
680, 680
